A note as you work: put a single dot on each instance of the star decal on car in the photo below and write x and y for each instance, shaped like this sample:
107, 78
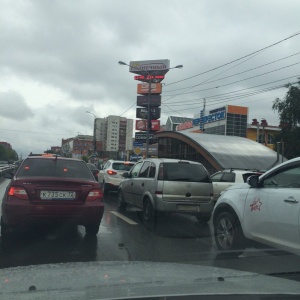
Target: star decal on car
256, 204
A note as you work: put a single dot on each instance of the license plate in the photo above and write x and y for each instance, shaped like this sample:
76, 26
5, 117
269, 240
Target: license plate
57, 195
188, 208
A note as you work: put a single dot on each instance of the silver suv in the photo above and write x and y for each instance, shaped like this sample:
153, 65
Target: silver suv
168, 185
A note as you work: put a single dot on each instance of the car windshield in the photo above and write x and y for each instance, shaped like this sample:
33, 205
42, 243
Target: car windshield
139, 147
54, 168
119, 166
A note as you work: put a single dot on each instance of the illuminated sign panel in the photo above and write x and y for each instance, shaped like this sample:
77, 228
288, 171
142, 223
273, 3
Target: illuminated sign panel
142, 136
215, 115
159, 67
143, 88
142, 125
141, 78
154, 100
142, 113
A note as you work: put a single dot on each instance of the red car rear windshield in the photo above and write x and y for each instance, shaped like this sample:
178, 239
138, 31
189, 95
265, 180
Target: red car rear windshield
40, 167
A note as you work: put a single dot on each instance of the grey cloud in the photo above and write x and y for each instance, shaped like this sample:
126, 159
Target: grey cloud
14, 106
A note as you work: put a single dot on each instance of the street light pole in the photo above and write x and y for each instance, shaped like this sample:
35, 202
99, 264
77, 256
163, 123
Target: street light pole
94, 134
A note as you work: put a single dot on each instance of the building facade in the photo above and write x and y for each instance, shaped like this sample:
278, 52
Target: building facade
77, 147
115, 133
226, 120
173, 121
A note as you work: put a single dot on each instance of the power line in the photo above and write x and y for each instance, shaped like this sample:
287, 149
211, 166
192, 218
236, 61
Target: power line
257, 51
228, 93
252, 69
238, 97
212, 88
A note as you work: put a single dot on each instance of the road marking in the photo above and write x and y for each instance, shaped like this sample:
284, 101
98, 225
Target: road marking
124, 218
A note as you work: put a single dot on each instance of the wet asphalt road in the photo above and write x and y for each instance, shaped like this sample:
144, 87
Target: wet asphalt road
124, 237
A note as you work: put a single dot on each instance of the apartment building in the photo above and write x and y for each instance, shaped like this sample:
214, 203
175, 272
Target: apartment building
115, 133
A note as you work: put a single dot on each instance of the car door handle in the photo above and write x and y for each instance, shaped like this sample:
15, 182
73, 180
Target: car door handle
131, 183
143, 184
291, 200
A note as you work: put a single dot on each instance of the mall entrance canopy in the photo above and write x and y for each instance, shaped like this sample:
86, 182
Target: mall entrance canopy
216, 152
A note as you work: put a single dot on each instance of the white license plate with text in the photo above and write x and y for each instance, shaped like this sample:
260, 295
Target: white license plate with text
188, 208
57, 195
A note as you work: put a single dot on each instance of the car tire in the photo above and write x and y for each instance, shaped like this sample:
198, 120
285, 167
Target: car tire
149, 213
4, 229
92, 229
105, 188
228, 233
121, 202
203, 218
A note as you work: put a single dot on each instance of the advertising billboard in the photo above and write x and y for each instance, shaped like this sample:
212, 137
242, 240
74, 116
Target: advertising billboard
142, 136
215, 115
142, 113
147, 78
142, 125
154, 100
159, 67
143, 88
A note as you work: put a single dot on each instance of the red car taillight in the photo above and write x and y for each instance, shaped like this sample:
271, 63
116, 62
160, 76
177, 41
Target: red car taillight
18, 192
93, 195
111, 172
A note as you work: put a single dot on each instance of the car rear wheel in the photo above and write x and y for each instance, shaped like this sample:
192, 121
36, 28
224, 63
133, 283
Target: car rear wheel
105, 187
228, 232
121, 202
92, 229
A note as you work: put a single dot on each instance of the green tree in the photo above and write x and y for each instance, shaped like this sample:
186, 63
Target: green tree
85, 158
8, 154
289, 114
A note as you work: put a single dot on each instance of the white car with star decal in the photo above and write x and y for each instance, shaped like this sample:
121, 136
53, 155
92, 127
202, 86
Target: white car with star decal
266, 209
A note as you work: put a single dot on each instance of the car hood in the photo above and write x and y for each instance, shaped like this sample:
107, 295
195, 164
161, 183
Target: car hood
111, 280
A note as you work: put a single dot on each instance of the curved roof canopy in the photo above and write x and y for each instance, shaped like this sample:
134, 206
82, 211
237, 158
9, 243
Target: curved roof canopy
228, 151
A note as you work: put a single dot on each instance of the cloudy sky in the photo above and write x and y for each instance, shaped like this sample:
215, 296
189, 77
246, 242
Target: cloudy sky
59, 58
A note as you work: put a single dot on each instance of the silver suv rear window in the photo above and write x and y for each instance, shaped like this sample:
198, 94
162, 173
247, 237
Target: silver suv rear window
183, 171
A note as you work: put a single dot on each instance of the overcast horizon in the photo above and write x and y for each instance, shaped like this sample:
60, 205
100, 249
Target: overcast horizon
59, 59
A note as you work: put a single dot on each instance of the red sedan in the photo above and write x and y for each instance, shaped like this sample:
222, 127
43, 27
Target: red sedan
52, 190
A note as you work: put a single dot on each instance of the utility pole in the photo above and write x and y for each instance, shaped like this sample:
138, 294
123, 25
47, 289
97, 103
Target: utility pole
148, 117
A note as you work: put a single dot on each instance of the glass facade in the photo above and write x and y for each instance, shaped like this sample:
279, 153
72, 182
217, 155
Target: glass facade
236, 125
174, 148
220, 130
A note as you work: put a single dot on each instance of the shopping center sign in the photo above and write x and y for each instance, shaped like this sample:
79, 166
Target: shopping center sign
215, 115
157, 67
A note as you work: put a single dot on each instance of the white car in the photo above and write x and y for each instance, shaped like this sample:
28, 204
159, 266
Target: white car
226, 178
111, 174
266, 210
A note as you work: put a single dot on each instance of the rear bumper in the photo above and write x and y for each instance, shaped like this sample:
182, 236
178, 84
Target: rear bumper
185, 207
16, 214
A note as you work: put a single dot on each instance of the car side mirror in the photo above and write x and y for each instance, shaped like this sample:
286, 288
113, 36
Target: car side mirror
125, 175
253, 181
